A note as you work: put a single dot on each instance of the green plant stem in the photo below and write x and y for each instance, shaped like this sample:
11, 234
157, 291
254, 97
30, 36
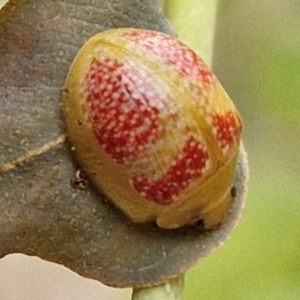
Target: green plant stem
170, 290
160, 2
194, 21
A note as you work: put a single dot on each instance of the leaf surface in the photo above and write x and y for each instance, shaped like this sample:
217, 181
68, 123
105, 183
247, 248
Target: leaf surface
41, 213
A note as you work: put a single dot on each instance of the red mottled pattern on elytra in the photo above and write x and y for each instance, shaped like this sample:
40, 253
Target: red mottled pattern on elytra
186, 168
121, 124
172, 52
228, 128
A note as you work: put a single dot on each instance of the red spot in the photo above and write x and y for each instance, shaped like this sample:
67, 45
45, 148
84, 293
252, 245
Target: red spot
172, 52
228, 128
121, 124
186, 168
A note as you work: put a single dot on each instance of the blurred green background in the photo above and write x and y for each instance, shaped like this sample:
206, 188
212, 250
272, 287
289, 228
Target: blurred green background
257, 59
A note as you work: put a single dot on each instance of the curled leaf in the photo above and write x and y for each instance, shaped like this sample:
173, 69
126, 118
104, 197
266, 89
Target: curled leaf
42, 213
